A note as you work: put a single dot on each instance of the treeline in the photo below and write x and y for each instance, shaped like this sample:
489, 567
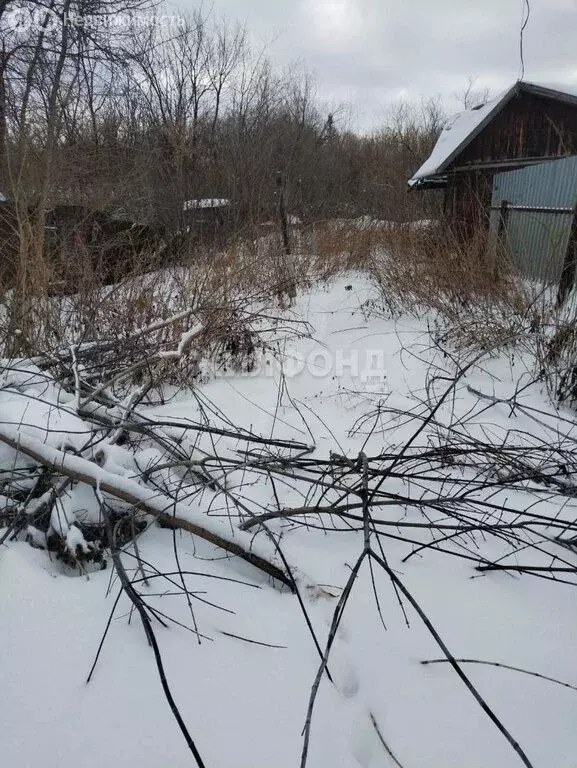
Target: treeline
112, 105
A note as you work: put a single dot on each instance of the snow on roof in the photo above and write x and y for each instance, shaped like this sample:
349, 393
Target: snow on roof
462, 128
559, 89
456, 132
209, 202
3, 198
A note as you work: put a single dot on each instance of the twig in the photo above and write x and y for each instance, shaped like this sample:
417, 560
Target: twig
248, 640
337, 616
386, 747
502, 666
452, 661
136, 600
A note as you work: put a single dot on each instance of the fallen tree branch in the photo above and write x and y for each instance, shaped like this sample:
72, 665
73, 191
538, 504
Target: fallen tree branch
131, 492
170, 521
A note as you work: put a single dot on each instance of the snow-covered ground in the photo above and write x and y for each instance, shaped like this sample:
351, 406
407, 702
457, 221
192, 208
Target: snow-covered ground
242, 680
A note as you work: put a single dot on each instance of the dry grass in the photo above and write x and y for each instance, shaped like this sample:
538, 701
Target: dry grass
421, 267
225, 290
479, 297
478, 301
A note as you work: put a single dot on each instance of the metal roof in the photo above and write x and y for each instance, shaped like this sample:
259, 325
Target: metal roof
463, 127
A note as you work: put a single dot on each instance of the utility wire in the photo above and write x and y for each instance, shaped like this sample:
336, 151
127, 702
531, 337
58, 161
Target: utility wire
525, 14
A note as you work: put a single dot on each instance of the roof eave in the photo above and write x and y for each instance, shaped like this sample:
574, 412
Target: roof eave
428, 182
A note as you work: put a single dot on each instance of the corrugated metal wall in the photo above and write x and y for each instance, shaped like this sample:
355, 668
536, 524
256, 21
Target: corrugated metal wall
536, 226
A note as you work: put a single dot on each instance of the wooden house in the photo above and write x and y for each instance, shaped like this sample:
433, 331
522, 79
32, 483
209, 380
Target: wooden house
526, 124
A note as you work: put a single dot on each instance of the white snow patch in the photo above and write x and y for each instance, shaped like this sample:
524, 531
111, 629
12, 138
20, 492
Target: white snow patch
244, 703
209, 202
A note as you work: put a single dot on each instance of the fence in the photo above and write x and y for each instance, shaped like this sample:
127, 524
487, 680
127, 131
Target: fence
533, 215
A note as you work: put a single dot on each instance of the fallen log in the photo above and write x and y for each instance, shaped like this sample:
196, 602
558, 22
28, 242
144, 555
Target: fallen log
141, 498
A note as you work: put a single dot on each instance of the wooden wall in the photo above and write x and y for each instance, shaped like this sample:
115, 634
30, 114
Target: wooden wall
528, 128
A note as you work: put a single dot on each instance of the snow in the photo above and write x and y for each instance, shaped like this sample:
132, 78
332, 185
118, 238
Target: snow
185, 340
210, 202
245, 703
456, 133
569, 88
75, 539
364, 223
292, 220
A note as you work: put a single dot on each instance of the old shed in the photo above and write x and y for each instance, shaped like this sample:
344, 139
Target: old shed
207, 217
525, 125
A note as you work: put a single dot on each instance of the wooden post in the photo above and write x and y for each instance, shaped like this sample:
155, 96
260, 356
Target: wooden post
288, 266
497, 230
503, 220
280, 187
568, 272
4, 175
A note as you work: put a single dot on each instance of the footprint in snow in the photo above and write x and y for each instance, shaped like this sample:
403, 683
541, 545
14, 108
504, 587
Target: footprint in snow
363, 742
349, 683
344, 674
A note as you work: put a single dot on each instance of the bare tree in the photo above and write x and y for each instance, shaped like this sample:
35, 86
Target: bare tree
472, 96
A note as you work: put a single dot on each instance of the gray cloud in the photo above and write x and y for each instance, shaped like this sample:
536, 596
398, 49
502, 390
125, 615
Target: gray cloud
370, 52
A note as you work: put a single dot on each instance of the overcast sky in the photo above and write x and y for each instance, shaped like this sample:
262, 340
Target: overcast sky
369, 53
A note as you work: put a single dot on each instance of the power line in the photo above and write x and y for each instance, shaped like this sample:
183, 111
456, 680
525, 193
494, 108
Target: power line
525, 14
